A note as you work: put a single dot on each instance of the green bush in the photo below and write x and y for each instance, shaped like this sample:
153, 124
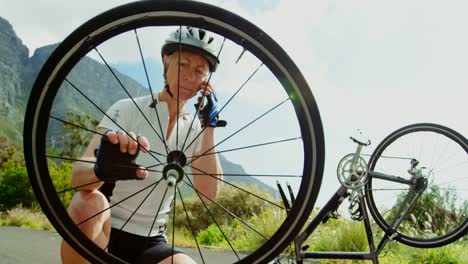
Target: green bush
212, 236
238, 202
14, 186
16, 189
61, 178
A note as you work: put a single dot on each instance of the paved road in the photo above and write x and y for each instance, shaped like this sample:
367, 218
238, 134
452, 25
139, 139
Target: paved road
18, 245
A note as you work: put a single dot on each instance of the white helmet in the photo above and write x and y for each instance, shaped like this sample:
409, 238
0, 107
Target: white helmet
193, 39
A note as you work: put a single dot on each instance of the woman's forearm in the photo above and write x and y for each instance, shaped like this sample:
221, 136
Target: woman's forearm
83, 174
209, 165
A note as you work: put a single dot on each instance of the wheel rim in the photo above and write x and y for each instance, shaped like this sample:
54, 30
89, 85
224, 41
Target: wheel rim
443, 152
62, 62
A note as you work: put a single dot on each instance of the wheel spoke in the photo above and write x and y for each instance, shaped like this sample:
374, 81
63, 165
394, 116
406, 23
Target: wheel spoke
77, 187
138, 207
113, 121
427, 213
214, 220
75, 125
455, 179
387, 189
242, 128
249, 175
246, 147
130, 97
94, 162
434, 150
203, 96
121, 201
227, 211
159, 164
238, 90
151, 90
134, 211
449, 161
239, 188
70, 159
173, 221
95, 132
157, 213
190, 225
115, 29
178, 88
442, 154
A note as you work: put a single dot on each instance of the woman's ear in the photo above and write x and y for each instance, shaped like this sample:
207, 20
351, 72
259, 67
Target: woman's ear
165, 63
165, 58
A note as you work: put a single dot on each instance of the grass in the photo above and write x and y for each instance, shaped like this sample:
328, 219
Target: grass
450, 254
340, 235
347, 235
335, 235
25, 218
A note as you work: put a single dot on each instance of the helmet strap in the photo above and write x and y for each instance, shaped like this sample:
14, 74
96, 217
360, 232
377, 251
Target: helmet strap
166, 85
168, 91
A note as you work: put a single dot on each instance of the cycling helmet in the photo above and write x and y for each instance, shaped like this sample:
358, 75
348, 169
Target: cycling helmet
193, 39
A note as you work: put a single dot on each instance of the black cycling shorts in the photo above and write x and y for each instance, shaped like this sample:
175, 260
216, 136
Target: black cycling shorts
138, 249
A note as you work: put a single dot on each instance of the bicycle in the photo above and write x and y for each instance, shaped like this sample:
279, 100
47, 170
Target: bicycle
60, 79
59, 84
361, 183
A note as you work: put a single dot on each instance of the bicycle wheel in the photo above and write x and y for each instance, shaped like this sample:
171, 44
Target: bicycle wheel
61, 82
439, 216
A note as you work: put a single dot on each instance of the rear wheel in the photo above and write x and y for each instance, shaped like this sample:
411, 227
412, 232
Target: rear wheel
280, 137
435, 156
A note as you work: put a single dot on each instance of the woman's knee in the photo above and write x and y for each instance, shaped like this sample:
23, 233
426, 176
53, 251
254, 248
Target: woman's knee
86, 204
179, 258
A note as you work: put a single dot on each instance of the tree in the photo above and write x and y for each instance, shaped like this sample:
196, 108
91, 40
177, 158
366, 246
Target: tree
77, 138
10, 151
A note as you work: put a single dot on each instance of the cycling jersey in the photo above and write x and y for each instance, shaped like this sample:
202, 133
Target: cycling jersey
126, 114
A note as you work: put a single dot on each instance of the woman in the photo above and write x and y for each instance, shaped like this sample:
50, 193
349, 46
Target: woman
192, 52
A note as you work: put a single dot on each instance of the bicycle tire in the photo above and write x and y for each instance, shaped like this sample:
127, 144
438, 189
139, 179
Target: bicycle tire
397, 149
162, 13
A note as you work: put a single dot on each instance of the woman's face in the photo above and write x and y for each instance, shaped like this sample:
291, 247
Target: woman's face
194, 69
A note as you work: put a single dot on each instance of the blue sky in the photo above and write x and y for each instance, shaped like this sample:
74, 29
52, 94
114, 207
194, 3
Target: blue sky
372, 65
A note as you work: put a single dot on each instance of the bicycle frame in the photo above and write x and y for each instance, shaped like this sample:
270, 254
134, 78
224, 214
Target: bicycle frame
335, 201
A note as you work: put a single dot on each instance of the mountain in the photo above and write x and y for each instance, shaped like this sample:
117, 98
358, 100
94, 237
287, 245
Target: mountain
234, 168
14, 57
17, 75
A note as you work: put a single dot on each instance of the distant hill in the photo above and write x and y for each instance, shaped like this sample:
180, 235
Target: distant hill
14, 57
18, 72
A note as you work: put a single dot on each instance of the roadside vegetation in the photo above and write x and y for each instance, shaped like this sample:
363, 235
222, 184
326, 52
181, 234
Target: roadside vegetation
193, 224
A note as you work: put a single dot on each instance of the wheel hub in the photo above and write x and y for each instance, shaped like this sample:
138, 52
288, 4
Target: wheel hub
173, 172
420, 183
177, 157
